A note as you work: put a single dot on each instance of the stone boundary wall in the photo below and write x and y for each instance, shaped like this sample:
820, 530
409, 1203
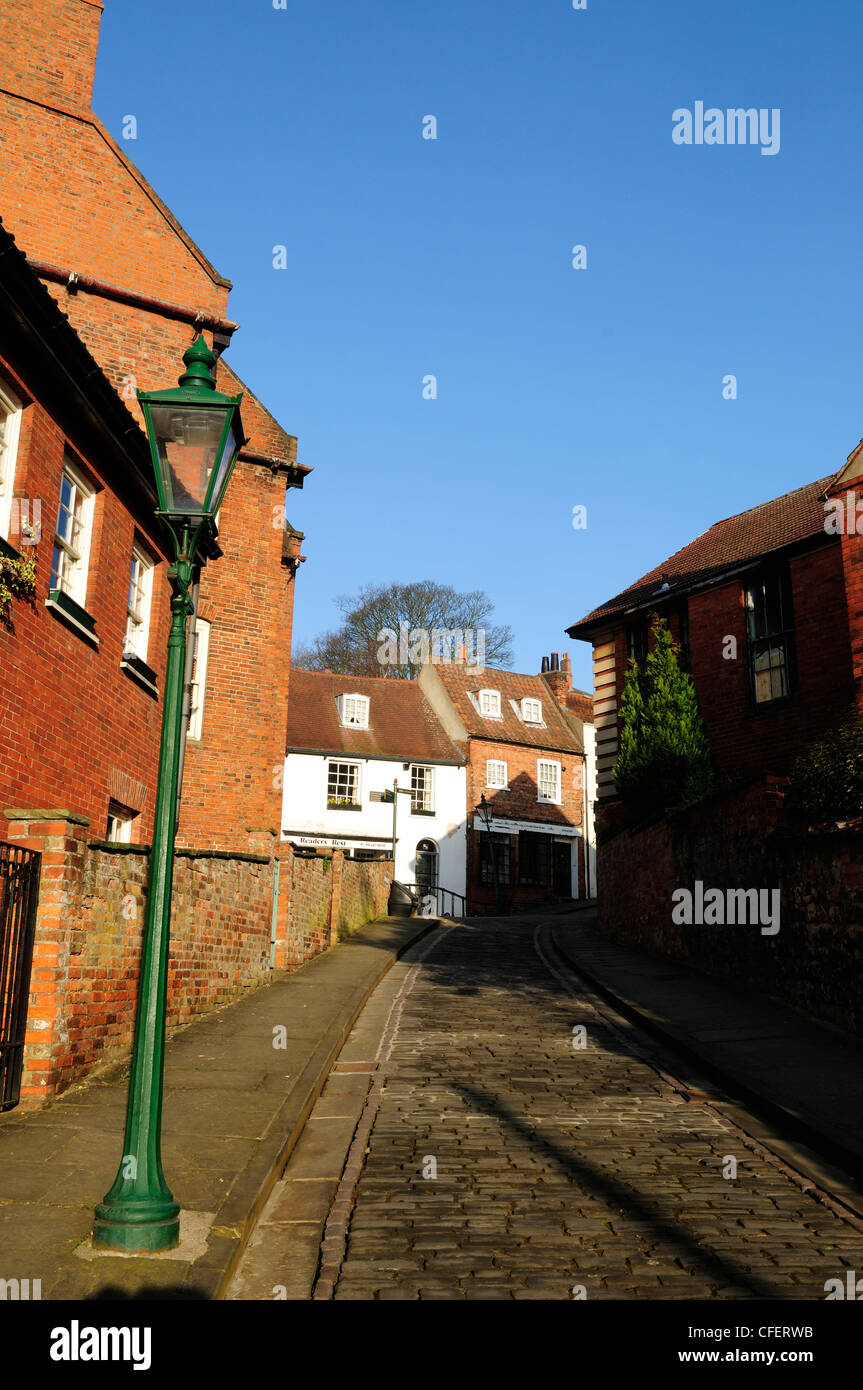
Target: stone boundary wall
740, 841
231, 915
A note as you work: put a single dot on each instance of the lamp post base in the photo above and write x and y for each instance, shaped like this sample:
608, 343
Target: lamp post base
131, 1228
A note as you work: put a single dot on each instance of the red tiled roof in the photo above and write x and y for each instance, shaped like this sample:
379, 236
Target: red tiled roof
773, 525
579, 703
402, 724
460, 682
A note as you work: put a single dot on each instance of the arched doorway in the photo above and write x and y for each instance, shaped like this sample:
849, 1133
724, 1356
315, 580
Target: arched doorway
427, 867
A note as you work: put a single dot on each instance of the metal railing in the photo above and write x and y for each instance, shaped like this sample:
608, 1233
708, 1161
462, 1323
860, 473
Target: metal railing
443, 902
19, 894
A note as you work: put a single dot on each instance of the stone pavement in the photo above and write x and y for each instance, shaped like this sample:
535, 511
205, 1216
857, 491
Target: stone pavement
235, 1106
509, 1135
806, 1078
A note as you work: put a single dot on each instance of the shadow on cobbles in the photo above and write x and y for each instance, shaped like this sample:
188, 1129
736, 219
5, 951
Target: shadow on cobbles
617, 1195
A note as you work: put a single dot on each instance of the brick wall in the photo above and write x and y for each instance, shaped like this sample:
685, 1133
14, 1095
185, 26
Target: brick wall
520, 803
309, 889
73, 725
328, 898
812, 964
745, 739
88, 944
90, 918
364, 891
75, 203
233, 776
49, 49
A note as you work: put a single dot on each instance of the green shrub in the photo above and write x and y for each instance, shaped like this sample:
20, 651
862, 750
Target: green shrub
663, 762
827, 782
17, 580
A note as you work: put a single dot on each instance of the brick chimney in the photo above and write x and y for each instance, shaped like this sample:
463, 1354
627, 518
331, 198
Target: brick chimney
48, 49
558, 676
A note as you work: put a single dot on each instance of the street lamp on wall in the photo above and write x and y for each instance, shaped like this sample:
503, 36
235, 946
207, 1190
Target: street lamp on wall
195, 435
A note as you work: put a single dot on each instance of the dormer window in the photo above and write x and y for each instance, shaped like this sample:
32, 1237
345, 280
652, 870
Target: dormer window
531, 711
354, 711
489, 703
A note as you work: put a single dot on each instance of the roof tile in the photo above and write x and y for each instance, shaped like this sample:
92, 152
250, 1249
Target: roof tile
781, 522
402, 724
460, 681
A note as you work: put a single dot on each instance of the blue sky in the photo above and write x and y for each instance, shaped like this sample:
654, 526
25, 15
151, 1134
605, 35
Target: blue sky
407, 257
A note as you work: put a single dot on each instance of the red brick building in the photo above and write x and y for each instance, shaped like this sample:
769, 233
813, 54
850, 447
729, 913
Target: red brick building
525, 753
768, 609
111, 293
80, 717
137, 290
763, 606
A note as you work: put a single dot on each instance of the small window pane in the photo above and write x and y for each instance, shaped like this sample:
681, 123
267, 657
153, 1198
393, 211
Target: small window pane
549, 781
770, 637
495, 773
342, 784
422, 787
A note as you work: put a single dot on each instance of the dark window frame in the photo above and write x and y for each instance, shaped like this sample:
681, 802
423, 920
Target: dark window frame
534, 859
503, 859
770, 629
637, 642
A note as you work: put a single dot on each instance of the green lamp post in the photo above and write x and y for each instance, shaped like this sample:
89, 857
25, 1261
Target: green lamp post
195, 435
485, 812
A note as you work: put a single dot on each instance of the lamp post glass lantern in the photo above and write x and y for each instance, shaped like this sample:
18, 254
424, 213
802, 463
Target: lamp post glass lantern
195, 435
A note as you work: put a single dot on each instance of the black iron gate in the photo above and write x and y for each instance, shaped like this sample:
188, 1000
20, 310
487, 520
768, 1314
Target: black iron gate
19, 893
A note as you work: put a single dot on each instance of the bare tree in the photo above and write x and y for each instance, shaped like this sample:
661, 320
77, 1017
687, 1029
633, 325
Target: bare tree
392, 629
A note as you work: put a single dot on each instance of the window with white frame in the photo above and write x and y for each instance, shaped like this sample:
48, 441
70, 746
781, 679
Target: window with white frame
496, 774
343, 785
531, 711
354, 711
138, 604
10, 420
199, 679
548, 780
72, 537
489, 703
422, 788
120, 822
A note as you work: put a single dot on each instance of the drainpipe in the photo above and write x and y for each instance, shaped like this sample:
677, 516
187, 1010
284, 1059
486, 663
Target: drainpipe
223, 328
187, 692
395, 820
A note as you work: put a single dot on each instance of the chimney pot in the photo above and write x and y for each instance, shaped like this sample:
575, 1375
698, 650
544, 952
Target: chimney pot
555, 661
545, 666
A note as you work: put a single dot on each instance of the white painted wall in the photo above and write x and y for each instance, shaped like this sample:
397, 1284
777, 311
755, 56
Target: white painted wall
305, 810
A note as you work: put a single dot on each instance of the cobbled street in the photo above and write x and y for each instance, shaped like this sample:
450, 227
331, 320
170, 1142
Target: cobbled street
522, 1147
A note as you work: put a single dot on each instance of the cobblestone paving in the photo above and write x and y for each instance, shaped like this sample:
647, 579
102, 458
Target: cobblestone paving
560, 1172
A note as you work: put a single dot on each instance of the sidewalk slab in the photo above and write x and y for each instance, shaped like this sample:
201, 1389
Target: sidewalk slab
805, 1078
235, 1107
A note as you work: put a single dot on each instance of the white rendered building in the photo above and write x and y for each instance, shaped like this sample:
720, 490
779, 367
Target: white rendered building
350, 741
